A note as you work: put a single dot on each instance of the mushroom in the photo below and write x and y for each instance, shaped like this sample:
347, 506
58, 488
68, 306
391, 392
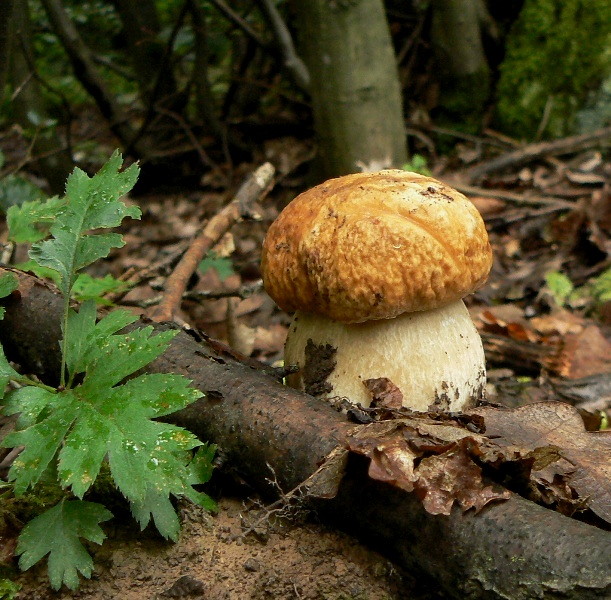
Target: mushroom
375, 266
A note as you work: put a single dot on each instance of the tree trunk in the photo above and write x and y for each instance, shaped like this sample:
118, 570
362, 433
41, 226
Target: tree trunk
146, 51
462, 67
53, 158
354, 85
512, 550
6, 20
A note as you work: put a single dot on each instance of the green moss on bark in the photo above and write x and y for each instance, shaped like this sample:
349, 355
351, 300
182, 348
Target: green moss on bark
558, 52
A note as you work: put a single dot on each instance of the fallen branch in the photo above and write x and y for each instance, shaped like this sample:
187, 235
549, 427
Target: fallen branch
512, 550
530, 152
252, 189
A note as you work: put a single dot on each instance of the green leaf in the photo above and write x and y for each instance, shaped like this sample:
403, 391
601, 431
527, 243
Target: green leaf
8, 589
559, 285
93, 203
8, 284
43, 272
223, 266
57, 533
87, 287
159, 506
200, 471
116, 357
85, 337
15, 190
42, 440
601, 287
30, 222
29, 402
6, 371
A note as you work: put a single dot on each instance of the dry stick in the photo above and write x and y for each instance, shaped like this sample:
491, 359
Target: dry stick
257, 185
292, 62
522, 156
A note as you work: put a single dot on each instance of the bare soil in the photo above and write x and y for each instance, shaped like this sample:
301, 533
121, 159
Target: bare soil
218, 557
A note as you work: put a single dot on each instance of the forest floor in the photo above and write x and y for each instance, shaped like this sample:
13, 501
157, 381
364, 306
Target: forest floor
544, 315
216, 559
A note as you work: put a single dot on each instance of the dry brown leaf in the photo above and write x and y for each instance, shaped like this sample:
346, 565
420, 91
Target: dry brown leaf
560, 321
585, 353
453, 476
384, 393
432, 458
517, 329
559, 426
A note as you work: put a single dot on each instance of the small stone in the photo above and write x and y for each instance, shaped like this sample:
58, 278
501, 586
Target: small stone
252, 565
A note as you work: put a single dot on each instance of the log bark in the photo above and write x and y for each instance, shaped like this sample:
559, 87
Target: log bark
512, 550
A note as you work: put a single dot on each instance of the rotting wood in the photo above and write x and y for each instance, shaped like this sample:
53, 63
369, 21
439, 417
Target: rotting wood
513, 550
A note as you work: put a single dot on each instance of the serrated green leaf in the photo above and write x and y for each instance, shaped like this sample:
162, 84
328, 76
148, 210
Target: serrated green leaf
200, 471
92, 203
158, 506
118, 356
30, 222
87, 287
43, 272
222, 265
84, 450
57, 533
8, 284
42, 441
6, 372
159, 393
559, 285
85, 337
29, 402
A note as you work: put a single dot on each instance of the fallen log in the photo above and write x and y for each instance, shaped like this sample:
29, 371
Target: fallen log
512, 550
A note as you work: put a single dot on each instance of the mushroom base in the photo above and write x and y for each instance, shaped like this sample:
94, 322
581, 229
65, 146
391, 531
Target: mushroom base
435, 358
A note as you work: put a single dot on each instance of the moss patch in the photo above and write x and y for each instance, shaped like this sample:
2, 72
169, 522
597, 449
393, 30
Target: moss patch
557, 53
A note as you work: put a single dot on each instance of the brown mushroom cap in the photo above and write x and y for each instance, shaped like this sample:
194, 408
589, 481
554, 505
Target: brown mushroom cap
373, 246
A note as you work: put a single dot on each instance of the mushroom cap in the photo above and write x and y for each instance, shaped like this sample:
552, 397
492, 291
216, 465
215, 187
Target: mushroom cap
373, 246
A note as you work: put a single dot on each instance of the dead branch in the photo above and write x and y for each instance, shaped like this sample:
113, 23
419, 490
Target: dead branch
82, 61
524, 357
237, 20
513, 550
530, 152
292, 62
252, 189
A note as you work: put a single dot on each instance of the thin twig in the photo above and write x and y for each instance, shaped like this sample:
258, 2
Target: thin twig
530, 152
293, 63
239, 22
203, 156
243, 292
253, 188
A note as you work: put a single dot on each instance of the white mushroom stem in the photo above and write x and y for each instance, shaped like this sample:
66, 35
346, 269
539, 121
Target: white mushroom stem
435, 357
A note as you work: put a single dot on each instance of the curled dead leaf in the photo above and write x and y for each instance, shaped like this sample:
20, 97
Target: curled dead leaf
562, 450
